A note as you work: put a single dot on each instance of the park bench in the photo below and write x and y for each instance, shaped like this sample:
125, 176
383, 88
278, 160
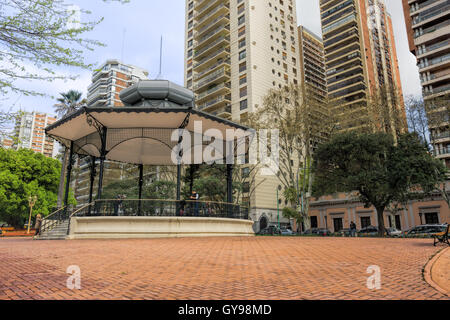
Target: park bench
441, 237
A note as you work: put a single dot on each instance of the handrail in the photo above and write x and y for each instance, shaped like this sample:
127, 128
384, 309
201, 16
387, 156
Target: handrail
169, 200
54, 213
82, 208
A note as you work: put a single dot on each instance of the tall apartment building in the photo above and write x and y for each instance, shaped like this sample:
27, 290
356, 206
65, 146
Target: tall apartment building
6, 143
428, 27
312, 61
29, 132
113, 76
235, 51
360, 54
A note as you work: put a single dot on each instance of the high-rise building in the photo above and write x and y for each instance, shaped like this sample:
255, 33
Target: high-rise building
235, 52
360, 55
6, 143
312, 61
29, 132
428, 28
113, 76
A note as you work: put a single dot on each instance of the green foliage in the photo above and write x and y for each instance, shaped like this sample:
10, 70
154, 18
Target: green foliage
129, 188
291, 213
381, 171
25, 173
160, 190
209, 181
38, 35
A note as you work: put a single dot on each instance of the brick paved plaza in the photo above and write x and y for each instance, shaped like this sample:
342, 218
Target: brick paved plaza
216, 268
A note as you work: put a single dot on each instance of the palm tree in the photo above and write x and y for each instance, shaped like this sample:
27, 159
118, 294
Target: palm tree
68, 102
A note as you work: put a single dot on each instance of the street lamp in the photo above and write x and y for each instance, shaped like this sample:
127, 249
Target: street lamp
31, 202
278, 206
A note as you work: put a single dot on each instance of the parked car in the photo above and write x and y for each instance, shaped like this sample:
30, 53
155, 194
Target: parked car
393, 232
425, 230
287, 232
270, 230
317, 231
368, 231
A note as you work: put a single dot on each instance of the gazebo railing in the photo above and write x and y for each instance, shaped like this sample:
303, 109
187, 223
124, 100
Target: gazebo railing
52, 220
163, 208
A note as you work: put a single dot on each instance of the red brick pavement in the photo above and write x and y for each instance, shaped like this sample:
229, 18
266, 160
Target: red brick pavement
216, 268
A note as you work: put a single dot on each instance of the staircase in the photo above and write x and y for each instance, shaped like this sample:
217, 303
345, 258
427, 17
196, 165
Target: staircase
58, 232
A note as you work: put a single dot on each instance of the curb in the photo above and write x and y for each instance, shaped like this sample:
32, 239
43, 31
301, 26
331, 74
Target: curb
428, 272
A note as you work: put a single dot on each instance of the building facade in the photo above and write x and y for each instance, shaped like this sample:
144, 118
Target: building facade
428, 28
360, 56
6, 143
111, 78
235, 52
312, 61
107, 83
29, 133
337, 212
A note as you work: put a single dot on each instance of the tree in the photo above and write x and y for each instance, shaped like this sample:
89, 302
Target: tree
24, 173
68, 102
37, 36
417, 118
304, 120
381, 171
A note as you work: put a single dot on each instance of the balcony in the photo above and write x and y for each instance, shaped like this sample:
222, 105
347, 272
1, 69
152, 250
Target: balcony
440, 137
220, 42
443, 152
220, 31
220, 9
210, 69
220, 21
214, 103
223, 89
212, 58
201, 11
224, 112
217, 76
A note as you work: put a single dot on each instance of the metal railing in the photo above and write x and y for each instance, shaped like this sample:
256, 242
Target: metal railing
162, 208
53, 220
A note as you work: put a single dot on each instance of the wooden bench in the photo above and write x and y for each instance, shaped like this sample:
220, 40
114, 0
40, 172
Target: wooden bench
441, 237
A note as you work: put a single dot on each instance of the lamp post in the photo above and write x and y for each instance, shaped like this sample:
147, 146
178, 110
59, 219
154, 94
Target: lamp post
278, 207
31, 202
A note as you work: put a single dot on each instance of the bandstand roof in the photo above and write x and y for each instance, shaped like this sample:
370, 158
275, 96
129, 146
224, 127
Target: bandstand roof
141, 132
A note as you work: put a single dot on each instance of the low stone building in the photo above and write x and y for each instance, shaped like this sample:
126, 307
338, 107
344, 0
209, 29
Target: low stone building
338, 211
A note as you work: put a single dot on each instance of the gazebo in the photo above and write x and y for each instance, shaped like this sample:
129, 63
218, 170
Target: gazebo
158, 125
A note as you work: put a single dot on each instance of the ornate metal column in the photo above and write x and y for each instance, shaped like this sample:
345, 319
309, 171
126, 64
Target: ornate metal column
92, 179
69, 172
141, 182
102, 163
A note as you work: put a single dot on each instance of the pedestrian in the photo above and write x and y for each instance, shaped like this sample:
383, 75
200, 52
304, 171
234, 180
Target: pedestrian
116, 205
352, 229
37, 225
194, 197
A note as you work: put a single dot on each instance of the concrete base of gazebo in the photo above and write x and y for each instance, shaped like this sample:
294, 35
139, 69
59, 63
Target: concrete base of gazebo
157, 227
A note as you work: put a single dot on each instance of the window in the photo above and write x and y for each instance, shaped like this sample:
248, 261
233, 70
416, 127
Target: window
241, 43
243, 92
242, 54
431, 218
314, 222
243, 79
242, 67
365, 222
241, 20
338, 226
243, 104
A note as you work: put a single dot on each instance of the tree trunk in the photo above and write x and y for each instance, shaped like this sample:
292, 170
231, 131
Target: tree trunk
62, 177
381, 228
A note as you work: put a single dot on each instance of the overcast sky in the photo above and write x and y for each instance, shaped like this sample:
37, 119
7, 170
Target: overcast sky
142, 22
